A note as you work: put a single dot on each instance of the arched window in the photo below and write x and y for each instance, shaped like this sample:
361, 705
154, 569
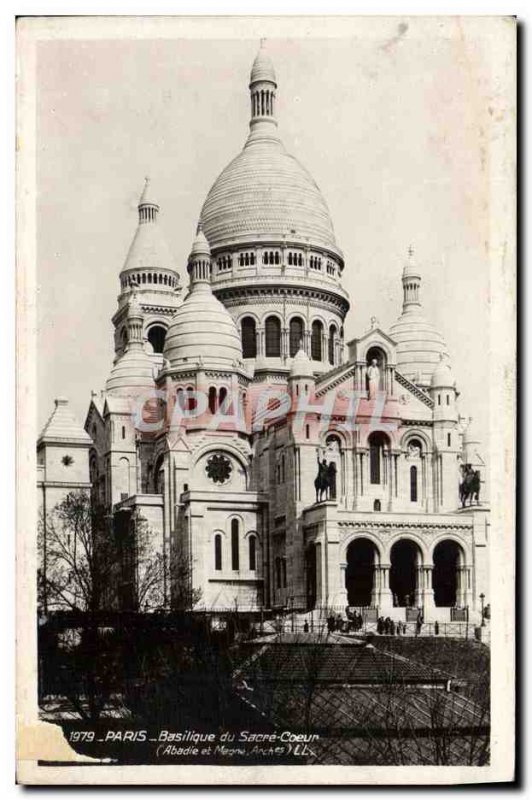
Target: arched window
377, 443
218, 551
249, 337
315, 341
252, 553
332, 338
413, 484
234, 545
191, 400
222, 396
377, 505
156, 337
273, 337
212, 399
297, 330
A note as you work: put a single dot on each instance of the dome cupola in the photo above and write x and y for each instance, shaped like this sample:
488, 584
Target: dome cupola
419, 343
202, 331
301, 366
442, 377
132, 373
149, 262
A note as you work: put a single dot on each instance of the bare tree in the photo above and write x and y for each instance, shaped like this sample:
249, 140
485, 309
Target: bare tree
76, 555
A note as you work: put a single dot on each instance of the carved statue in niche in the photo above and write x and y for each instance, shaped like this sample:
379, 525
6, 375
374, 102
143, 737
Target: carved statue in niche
374, 375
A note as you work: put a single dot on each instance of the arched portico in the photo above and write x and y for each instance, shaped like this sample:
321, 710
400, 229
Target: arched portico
451, 577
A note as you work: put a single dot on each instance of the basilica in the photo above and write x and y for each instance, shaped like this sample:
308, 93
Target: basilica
289, 468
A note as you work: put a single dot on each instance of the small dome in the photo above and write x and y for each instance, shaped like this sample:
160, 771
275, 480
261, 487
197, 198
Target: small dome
301, 365
419, 345
262, 69
202, 329
200, 246
146, 198
132, 373
442, 377
471, 435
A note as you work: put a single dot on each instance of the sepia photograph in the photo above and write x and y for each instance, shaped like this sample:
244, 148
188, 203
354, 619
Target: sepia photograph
266, 275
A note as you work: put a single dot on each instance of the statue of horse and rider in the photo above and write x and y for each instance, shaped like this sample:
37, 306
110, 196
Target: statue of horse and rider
325, 482
470, 485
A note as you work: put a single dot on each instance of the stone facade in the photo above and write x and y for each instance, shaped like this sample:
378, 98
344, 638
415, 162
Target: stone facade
257, 385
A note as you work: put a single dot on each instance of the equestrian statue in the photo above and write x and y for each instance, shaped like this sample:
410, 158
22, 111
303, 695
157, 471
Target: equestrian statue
470, 486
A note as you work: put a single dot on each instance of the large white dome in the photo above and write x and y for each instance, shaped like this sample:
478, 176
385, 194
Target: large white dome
265, 192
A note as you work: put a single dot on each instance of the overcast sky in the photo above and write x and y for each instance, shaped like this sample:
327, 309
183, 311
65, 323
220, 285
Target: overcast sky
393, 120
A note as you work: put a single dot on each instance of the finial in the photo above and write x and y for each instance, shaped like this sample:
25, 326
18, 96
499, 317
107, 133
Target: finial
374, 323
263, 42
410, 250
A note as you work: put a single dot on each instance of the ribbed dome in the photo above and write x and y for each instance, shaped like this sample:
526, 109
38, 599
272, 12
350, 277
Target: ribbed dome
442, 377
419, 345
266, 192
262, 69
132, 373
202, 329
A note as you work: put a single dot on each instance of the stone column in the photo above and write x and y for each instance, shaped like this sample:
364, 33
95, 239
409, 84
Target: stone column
425, 591
386, 597
467, 586
260, 341
376, 588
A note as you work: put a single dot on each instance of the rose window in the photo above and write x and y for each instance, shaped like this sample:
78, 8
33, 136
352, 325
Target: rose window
218, 468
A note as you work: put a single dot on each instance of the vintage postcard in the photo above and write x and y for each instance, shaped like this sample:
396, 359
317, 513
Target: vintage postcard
266, 400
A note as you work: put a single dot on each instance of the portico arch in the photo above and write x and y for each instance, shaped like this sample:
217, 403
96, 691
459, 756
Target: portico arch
362, 560
406, 559
448, 575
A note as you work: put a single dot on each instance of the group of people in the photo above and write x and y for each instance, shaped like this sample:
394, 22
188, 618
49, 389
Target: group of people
389, 627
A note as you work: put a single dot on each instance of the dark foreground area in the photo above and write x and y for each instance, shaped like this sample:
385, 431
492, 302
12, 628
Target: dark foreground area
174, 689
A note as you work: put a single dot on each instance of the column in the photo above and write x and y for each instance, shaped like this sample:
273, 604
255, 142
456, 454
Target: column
425, 591
260, 341
386, 598
467, 586
375, 590
284, 344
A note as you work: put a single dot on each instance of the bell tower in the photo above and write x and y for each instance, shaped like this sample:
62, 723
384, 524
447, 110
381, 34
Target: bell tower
148, 270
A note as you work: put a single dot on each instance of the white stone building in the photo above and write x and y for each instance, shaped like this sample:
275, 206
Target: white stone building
254, 382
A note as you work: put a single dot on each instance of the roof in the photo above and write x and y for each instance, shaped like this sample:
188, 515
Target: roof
419, 345
335, 662
262, 69
62, 426
265, 193
148, 249
301, 365
146, 198
202, 331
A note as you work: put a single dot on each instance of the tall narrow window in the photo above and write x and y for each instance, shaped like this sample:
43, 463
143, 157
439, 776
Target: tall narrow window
222, 397
212, 399
315, 341
283, 573
218, 551
249, 337
377, 442
413, 484
273, 337
448, 440
332, 338
123, 432
296, 335
234, 545
252, 553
